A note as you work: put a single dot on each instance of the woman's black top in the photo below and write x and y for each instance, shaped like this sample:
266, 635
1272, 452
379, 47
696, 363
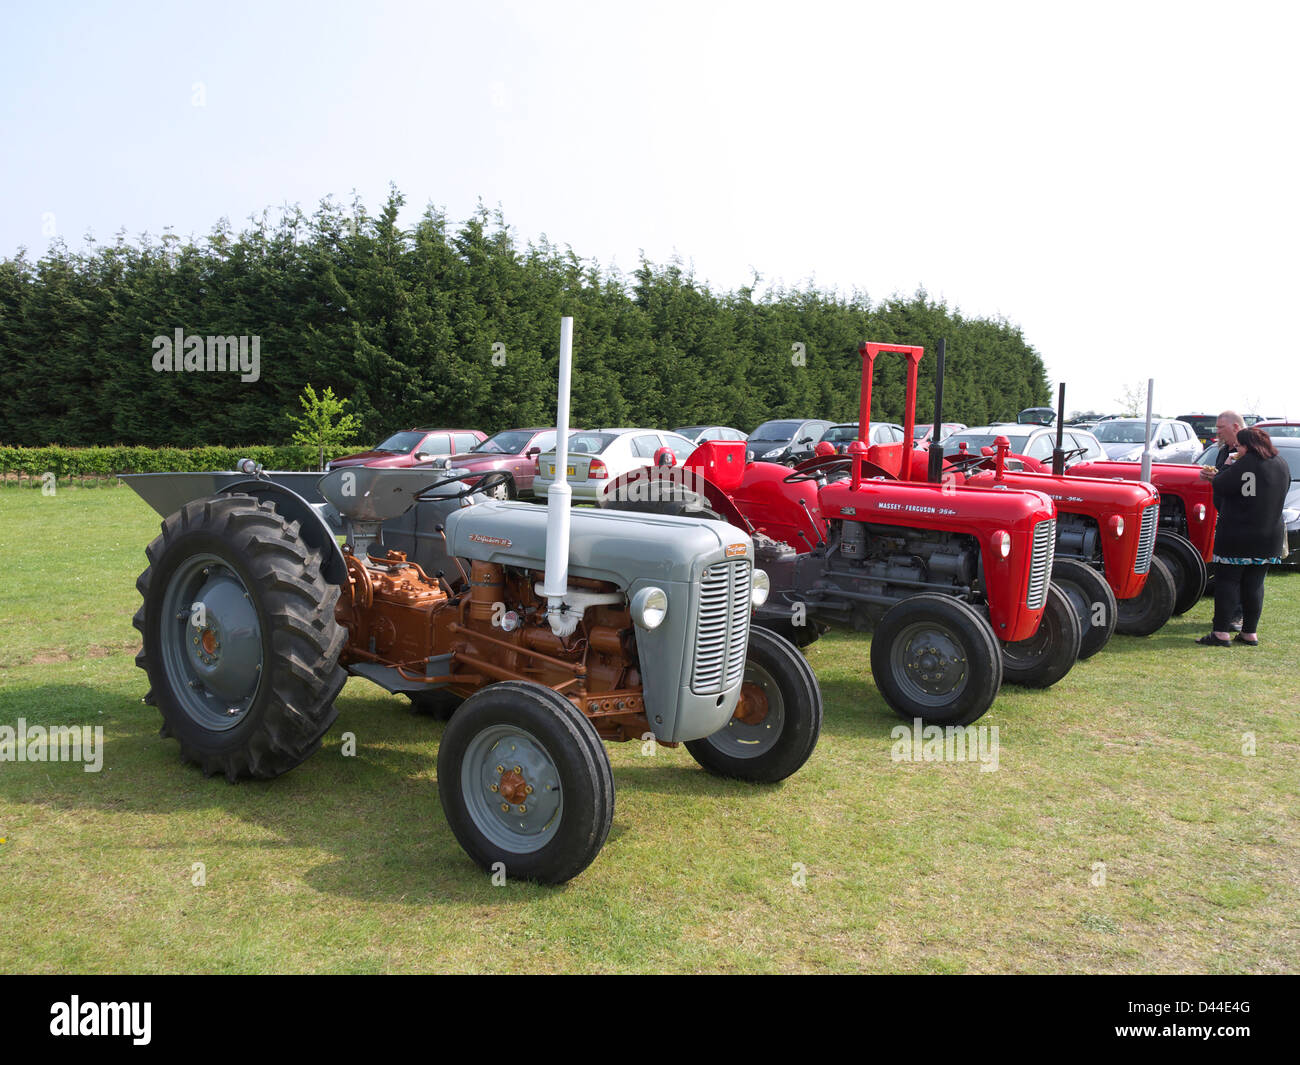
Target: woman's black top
1248, 496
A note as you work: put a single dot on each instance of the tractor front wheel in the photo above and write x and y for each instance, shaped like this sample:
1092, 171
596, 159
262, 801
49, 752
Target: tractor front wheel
1049, 654
777, 721
935, 658
525, 783
1093, 601
1152, 607
240, 642
1186, 567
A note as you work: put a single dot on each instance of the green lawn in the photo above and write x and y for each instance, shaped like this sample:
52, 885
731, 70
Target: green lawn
1135, 760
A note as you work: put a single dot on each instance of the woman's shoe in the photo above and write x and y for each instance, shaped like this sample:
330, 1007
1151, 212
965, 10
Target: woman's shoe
1211, 640
1249, 643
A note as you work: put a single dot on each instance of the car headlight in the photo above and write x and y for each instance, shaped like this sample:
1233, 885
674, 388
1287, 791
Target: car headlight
1291, 515
773, 453
759, 588
650, 607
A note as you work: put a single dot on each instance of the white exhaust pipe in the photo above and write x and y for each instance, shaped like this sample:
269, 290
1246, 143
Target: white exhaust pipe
1146, 448
558, 500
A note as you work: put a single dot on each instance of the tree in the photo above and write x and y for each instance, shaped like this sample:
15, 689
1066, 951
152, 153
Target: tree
1133, 400
318, 427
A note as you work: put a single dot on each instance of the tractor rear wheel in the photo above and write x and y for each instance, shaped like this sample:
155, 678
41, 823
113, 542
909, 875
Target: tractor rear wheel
777, 721
1150, 608
1093, 601
1049, 654
935, 658
240, 642
1186, 567
525, 782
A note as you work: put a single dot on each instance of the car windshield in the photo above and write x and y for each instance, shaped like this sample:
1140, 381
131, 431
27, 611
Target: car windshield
581, 443
690, 431
840, 434
1281, 430
975, 441
1037, 416
775, 431
511, 442
1121, 432
1202, 425
400, 442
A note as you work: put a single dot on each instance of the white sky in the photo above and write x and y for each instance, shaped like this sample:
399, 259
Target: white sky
1116, 178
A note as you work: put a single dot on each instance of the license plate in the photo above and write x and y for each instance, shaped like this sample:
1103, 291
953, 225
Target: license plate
552, 471
571, 470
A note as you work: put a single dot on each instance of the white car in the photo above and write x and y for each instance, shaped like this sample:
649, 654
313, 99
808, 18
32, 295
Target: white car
598, 456
1034, 441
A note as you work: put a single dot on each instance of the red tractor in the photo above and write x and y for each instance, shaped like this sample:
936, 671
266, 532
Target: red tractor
1185, 543
955, 582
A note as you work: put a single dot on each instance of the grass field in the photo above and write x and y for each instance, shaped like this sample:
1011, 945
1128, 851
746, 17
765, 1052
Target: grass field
1125, 829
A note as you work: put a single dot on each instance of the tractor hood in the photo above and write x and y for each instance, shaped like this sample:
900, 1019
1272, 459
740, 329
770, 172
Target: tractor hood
604, 545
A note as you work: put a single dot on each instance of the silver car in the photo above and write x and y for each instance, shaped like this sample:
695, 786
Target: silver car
1034, 441
597, 457
1171, 440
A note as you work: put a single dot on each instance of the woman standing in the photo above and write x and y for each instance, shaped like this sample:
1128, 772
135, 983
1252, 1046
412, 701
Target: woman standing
1248, 493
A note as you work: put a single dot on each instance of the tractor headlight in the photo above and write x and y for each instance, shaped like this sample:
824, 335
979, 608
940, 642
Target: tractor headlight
1000, 541
1116, 523
650, 607
759, 588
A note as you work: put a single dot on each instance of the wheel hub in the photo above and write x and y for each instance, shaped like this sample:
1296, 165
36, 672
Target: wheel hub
933, 662
512, 788
753, 706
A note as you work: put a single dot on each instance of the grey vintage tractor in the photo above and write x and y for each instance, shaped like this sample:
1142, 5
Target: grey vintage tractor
545, 630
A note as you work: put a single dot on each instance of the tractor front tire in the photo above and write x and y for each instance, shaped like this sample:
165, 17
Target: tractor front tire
525, 783
1093, 601
1148, 611
1049, 654
1186, 567
935, 658
240, 641
777, 720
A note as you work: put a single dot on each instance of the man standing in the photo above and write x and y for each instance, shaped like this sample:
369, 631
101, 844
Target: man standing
1227, 426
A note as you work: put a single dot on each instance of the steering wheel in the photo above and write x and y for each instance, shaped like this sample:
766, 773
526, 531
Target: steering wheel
969, 461
483, 482
820, 468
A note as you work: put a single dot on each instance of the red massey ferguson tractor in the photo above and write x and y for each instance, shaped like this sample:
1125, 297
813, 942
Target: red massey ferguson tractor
1185, 542
955, 582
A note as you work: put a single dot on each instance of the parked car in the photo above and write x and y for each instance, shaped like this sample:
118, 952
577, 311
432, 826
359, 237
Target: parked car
412, 447
598, 456
1203, 425
1033, 441
841, 436
697, 434
1036, 416
922, 434
1278, 428
513, 450
1171, 440
788, 440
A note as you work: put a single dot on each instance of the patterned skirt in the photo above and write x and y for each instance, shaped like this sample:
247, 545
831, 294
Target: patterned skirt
1246, 561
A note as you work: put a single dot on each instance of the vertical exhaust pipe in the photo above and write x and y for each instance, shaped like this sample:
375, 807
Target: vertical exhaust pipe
1146, 447
558, 499
1058, 453
934, 474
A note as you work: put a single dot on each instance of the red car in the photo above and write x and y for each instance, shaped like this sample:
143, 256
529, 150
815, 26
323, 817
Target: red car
413, 447
514, 450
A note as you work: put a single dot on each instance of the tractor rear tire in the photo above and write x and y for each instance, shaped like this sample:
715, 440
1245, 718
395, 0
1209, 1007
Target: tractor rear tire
1048, 655
522, 746
1093, 601
1186, 567
240, 641
1152, 607
935, 658
776, 723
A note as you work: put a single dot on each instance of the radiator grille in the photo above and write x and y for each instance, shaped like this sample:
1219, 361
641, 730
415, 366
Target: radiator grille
722, 627
1147, 538
1040, 567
